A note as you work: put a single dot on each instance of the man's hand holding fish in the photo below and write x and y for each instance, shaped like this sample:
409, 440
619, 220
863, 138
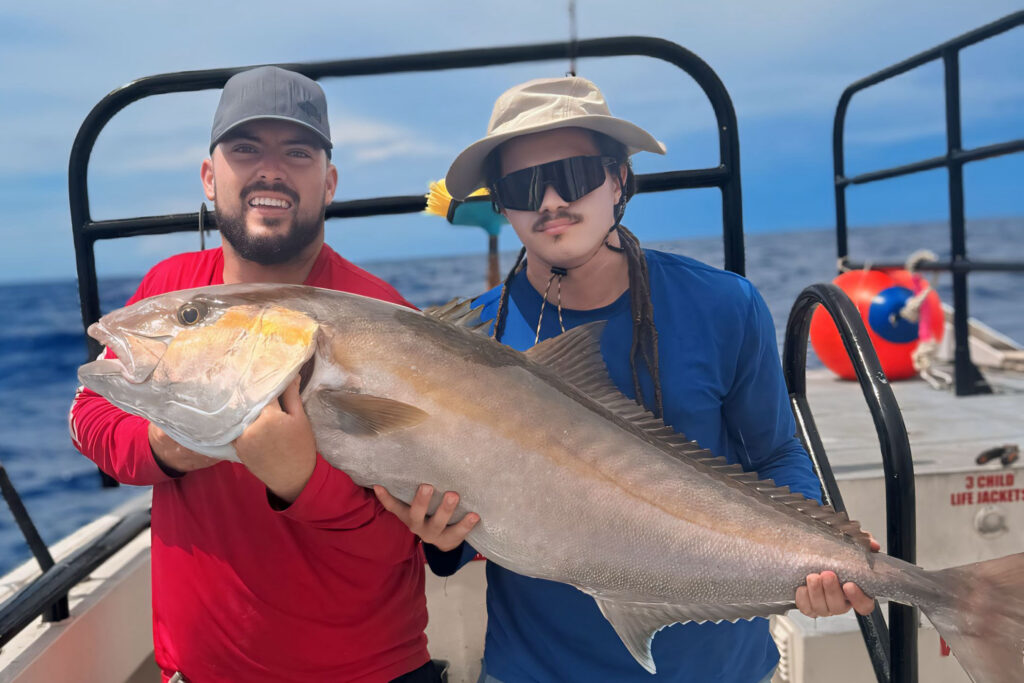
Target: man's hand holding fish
823, 595
433, 529
174, 458
279, 448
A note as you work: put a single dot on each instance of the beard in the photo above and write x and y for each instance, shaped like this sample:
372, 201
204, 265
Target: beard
269, 250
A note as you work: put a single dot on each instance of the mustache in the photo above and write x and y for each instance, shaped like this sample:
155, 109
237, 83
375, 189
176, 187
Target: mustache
556, 216
260, 186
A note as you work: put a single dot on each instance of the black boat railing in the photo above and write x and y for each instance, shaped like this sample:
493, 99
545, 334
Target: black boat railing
968, 379
23, 607
58, 609
893, 650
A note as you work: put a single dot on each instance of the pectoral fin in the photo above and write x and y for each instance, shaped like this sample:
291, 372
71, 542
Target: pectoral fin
636, 623
366, 415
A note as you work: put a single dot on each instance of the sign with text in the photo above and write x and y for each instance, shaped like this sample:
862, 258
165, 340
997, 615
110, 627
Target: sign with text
986, 489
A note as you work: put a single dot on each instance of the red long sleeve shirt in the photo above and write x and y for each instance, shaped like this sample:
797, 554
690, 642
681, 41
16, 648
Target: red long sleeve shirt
329, 589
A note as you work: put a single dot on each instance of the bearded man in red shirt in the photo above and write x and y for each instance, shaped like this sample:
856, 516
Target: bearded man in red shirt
279, 568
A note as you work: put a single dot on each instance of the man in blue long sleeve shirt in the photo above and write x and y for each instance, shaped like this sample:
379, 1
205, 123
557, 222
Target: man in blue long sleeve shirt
557, 164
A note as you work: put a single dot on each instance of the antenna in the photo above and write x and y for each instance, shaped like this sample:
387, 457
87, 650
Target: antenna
573, 40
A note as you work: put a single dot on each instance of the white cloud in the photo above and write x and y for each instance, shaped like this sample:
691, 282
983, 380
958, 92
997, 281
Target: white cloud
177, 159
397, 149
371, 141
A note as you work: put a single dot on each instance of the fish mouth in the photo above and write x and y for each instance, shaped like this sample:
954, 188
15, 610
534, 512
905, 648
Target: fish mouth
125, 364
105, 366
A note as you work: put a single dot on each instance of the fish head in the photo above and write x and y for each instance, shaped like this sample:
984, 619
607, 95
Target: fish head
200, 364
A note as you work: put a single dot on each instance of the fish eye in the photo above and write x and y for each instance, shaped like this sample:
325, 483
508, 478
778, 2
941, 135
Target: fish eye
191, 313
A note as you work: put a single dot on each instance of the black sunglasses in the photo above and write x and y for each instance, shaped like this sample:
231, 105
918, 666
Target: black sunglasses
572, 178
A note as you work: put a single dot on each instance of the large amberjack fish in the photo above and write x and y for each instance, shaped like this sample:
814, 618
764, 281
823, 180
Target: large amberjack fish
573, 482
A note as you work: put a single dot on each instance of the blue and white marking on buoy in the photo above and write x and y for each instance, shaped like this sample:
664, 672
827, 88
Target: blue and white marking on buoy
884, 315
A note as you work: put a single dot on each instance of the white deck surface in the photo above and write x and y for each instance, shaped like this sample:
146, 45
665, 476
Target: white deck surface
946, 432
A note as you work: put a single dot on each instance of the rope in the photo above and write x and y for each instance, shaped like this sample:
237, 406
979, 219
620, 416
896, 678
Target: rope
927, 349
923, 359
559, 273
918, 257
911, 310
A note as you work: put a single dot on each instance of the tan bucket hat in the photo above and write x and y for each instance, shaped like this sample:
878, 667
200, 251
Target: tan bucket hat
539, 105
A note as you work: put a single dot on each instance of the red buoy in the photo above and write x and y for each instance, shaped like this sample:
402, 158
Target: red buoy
880, 296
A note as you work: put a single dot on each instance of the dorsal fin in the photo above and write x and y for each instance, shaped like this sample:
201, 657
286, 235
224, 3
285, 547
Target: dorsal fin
575, 356
441, 310
461, 313
793, 502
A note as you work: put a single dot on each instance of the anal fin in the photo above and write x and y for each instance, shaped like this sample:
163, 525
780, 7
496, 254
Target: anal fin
636, 623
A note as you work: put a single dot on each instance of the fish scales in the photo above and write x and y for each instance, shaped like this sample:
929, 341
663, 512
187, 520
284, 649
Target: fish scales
572, 481
601, 471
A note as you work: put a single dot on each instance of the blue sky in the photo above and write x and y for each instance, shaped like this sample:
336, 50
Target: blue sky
784, 63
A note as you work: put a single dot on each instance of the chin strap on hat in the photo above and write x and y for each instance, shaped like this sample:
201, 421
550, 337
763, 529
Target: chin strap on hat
559, 272
617, 250
620, 209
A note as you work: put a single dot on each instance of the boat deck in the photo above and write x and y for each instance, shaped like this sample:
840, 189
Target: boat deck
946, 432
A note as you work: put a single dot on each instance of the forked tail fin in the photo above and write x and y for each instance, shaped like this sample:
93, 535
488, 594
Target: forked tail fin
983, 620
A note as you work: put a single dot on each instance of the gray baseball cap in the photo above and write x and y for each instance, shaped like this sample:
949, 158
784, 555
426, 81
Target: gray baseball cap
270, 92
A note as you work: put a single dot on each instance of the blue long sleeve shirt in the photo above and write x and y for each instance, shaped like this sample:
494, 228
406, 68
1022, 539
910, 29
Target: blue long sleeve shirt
722, 386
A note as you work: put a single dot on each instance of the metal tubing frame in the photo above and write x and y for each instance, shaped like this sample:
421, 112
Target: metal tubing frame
20, 610
725, 176
968, 378
893, 658
946, 266
58, 608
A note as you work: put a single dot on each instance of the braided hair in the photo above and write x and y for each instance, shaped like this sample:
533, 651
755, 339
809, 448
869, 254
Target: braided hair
644, 347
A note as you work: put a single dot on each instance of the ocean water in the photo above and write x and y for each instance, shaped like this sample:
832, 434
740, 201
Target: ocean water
43, 344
